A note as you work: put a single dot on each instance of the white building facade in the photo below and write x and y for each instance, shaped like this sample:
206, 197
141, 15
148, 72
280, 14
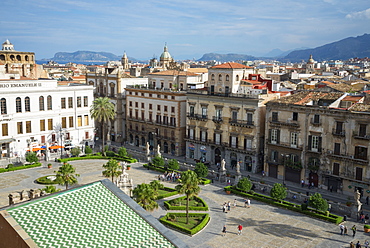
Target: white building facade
39, 113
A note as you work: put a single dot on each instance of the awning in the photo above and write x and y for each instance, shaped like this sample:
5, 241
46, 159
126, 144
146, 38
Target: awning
2, 141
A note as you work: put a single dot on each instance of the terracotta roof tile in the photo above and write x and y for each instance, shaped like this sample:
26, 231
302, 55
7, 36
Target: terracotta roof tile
174, 72
231, 65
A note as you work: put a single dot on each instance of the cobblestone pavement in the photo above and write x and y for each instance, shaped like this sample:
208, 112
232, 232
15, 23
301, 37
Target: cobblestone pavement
264, 225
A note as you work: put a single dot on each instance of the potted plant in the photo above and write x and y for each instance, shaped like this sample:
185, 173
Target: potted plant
228, 190
366, 228
49, 166
128, 167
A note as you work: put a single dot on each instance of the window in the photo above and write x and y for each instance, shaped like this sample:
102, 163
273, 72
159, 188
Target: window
86, 103
150, 106
294, 140
49, 103
42, 125
172, 109
250, 118
213, 77
173, 97
18, 105
191, 133
204, 112
27, 103
158, 96
339, 128
50, 124
28, 127
191, 111
86, 117
234, 115
19, 127
159, 107
3, 106
87, 136
227, 77
359, 173
314, 143
130, 103
203, 136
79, 104
233, 141
79, 121
165, 108
219, 77
316, 119
4, 128
63, 102
237, 78
362, 130
41, 103
274, 156
337, 148
217, 138
64, 122
70, 102
136, 104
361, 152
336, 168
112, 90
295, 116
173, 121
275, 116
274, 136
71, 121
247, 143
219, 114
142, 105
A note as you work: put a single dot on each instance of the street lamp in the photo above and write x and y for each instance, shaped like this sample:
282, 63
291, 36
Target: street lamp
61, 142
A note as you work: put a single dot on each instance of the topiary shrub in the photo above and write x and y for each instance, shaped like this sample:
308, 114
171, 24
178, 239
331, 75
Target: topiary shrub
110, 154
88, 150
31, 157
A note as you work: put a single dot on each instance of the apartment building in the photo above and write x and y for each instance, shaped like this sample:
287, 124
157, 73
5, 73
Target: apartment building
320, 137
157, 117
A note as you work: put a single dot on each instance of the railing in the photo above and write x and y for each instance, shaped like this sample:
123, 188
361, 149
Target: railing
339, 132
216, 119
362, 136
197, 116
241, 122
289, 122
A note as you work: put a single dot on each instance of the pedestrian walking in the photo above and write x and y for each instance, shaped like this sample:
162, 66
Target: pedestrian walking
358, 245
354, 229
224, 230
224, 207
245, 203
302, 183
248, 203
240, 229
345, 230
366, 244
351, 245
234, 203
341, 227
228, 206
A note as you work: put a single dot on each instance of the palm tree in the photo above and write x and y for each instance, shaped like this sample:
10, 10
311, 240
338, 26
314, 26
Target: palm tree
102, 111
189, 186
145, 196
156, 185
66, 175
112, 169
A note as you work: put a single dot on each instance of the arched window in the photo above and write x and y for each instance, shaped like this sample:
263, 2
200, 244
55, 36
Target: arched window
18, 105
19, 57
27, 107
41, 103
213, 76
101, 88
219, 77
3, 106
112, 90
49, 103
237, 77
227, 77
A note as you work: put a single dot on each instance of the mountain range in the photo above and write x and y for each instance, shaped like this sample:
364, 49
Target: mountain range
342, 50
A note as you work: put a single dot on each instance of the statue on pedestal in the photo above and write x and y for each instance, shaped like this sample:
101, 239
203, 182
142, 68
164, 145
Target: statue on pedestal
238, 167
223, 163
147, 149
159, 151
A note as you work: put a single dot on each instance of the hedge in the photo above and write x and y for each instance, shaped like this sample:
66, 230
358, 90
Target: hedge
205, 181
126, 159
20, 167
288, 205
168, 205
193, 231
44, 180
173, 192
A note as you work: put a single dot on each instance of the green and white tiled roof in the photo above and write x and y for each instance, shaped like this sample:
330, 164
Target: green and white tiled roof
89, 216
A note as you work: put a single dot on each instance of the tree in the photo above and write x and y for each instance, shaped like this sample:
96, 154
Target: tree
156, 185
188, 185
31, 157
122, 152
50, 189
112, 169
88, 150
102, 111
66, 175
158, 161
173, 164
76, 151
201, 170
278, 192
316, 201
244, 184
145, 196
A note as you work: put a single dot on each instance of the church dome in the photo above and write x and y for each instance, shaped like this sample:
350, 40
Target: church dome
165, 54
310, 60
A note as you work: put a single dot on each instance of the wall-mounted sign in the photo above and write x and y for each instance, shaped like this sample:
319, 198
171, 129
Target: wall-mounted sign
203, 149
191, 146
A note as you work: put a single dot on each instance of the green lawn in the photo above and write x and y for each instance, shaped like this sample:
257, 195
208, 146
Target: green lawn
182, 202
193, 221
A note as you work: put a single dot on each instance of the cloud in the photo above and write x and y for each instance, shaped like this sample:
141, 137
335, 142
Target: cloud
365, 14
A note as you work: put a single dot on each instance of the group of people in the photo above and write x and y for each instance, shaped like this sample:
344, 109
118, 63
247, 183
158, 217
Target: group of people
239, 228
358, 244
308, 184
364, 218
169, 176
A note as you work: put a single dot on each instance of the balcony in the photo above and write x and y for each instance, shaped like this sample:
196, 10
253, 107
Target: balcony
339, 132
216, 119
362, 136
285, 144
288, 123
198, 117
315, 122
241, 123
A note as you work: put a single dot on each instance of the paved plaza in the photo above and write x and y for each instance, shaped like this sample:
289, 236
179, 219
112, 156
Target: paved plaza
264, 225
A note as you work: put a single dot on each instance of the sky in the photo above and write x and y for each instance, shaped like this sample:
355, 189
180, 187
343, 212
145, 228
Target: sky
190, 28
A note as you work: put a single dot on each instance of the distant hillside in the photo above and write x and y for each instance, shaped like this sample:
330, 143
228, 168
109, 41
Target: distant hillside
225, 57
86, 56
344, 49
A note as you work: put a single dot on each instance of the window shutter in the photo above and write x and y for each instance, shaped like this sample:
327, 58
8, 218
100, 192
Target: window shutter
278, 137
309, 142
320, 141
